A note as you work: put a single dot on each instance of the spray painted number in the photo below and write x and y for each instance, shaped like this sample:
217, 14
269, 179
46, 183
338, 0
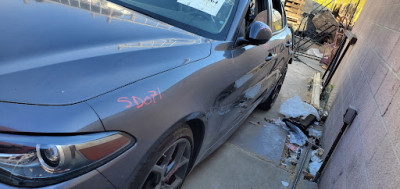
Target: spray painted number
140, 102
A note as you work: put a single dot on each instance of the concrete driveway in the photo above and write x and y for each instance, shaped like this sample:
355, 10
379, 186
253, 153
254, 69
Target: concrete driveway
251, 157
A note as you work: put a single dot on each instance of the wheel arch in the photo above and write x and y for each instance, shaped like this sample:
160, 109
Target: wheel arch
198, 130
197, 123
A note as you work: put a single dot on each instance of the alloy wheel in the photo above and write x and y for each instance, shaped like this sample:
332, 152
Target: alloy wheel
170, 169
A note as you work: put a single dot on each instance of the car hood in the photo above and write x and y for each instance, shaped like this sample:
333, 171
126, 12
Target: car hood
60, 53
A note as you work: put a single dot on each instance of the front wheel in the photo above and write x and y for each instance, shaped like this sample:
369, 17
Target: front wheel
168, 164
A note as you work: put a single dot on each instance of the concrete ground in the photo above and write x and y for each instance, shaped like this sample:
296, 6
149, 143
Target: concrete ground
250, 159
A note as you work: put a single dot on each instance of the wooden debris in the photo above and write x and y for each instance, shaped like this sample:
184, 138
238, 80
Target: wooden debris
294, 11
316, 90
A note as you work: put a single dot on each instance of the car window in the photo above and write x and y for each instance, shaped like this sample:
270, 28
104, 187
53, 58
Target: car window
259, 9
210, 18
258, 6
276, 21
277, 16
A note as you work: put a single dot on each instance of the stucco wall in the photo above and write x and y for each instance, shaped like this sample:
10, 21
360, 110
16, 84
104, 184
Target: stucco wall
368, 156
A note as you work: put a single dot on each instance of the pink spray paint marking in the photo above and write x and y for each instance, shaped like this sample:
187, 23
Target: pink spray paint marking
140, 102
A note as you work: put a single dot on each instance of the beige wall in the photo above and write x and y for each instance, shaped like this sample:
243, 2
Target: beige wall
368, 156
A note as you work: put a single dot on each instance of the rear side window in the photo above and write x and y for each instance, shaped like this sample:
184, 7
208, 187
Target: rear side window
277, 23
277, 16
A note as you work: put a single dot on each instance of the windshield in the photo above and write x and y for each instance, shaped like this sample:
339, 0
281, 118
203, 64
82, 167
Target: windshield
209, 18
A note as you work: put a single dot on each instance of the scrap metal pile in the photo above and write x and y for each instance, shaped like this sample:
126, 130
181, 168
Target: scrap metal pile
323, 29
304, 125
323, 34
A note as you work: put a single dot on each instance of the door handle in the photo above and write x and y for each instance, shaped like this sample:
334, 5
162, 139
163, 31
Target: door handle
270, 57
288, 44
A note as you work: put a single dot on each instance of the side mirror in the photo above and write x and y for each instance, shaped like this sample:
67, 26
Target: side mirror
257, 34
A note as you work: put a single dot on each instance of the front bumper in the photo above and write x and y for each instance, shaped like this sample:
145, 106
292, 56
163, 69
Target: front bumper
92, 179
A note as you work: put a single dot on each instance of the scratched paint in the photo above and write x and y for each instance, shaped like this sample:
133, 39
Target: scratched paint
152, 98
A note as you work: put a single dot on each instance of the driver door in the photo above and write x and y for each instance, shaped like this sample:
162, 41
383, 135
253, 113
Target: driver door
255, 63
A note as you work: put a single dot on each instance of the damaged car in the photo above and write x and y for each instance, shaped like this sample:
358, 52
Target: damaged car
130, 93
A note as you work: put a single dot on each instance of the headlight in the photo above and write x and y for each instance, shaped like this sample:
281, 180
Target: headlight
34, 161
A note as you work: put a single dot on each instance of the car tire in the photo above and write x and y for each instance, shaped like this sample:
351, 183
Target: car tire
161, 172
270, 100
